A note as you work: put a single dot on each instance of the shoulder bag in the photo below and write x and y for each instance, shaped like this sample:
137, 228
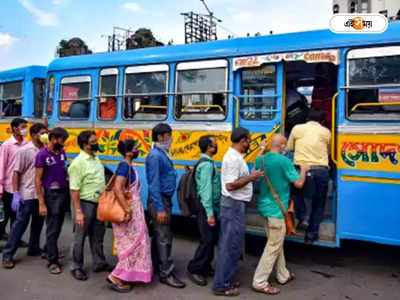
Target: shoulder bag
289, 215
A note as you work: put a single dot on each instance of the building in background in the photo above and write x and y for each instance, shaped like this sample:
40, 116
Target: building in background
389, 8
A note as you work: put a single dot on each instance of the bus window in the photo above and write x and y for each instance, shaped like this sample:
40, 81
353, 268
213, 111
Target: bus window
11, 98
258, 81
107, 99
201, 90
373, 84
145, 93
75, 97
50, 96
38, 87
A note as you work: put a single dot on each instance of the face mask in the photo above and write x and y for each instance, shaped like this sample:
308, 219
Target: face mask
165, 145
44, 138
215, 150
135, 154
58, 146
24, 132
94, 147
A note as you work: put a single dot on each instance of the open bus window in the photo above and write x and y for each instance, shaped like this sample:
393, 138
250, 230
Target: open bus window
373, 81
108, 95
145, 93
75, 97
50, 96
38, 86
11, 99
201, 90
257, 82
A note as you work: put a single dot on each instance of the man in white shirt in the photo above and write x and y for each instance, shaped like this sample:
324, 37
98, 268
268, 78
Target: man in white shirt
237, 191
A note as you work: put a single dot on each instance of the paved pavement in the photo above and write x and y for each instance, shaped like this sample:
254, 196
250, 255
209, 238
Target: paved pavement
355, 271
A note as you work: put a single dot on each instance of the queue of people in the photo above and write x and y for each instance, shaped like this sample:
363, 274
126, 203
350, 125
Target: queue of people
36, 183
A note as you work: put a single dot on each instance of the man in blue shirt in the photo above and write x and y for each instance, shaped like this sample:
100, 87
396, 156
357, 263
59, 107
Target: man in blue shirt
161, 181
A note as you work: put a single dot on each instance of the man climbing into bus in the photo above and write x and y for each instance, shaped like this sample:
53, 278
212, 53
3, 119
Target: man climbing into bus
281, 173
208, 186
8, 151
310, 143
237, 191
161, 180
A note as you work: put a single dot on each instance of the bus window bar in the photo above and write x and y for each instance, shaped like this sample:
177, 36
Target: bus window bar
201, 93
333, 135
371, 86
203, 106
260, 110
153, 106
8, 99
258, 96
369, 104
70, 100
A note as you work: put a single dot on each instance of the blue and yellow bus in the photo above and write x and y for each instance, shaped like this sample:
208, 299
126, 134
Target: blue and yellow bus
210, 88
22, 94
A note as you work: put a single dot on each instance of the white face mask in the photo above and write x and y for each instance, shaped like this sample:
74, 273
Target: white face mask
165, 145
24, 132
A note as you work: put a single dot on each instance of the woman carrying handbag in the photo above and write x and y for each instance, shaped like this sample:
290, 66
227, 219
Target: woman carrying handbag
131, 235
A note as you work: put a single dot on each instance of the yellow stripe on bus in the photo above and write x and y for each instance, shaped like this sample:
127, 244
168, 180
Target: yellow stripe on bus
370, 179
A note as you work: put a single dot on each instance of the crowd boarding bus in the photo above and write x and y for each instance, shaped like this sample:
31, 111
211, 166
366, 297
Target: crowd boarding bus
213, 87
22, 93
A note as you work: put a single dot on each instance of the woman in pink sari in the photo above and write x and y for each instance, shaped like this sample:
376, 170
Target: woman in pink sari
132, 238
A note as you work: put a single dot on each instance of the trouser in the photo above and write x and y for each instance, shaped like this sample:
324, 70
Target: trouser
95, 230
28, 209
161, 244
273, 253
9, 214
230, 246
204, 255
57, 205
320, 179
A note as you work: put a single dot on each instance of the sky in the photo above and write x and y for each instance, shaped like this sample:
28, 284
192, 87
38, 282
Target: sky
30, 30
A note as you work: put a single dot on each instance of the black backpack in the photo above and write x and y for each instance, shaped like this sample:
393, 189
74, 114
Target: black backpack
296, 114
188, 199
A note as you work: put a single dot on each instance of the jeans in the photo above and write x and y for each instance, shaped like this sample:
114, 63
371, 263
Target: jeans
161, 244
57, 202
204, 255
28, 208
230, 246
95, 230
320, 179
9, 214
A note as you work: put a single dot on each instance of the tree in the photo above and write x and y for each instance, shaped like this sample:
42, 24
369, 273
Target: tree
142, 38
74, 46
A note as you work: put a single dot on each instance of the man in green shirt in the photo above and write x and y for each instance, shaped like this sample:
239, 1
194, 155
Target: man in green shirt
209, 190
281, 173
87, 182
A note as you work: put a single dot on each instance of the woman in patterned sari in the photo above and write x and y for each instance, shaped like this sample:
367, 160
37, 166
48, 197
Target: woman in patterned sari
132, 238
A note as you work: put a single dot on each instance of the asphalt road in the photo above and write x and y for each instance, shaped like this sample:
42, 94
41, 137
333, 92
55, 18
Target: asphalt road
355, 271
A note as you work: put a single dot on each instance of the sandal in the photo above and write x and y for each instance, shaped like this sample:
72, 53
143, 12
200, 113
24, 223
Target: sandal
8, 264
229, 293
119, 287
54, 269
291, 278
269, 290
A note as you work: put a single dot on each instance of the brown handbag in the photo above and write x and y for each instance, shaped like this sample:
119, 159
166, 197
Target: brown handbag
109, 209
289, 215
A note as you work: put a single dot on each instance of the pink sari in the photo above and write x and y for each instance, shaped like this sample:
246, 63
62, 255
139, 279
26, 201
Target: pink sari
133, 242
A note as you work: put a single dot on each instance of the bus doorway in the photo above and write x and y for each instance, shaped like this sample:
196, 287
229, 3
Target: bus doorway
307, 86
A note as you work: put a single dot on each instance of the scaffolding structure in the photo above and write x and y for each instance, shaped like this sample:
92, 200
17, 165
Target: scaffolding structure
119, 40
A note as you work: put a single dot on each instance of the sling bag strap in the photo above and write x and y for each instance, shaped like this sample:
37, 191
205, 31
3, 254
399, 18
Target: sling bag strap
110, 183
274, 193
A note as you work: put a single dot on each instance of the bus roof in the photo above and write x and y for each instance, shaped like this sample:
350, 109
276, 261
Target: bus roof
22, 73
299, 41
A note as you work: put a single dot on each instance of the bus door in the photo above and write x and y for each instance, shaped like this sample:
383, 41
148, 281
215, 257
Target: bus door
258, 90
311, 81
368, 146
